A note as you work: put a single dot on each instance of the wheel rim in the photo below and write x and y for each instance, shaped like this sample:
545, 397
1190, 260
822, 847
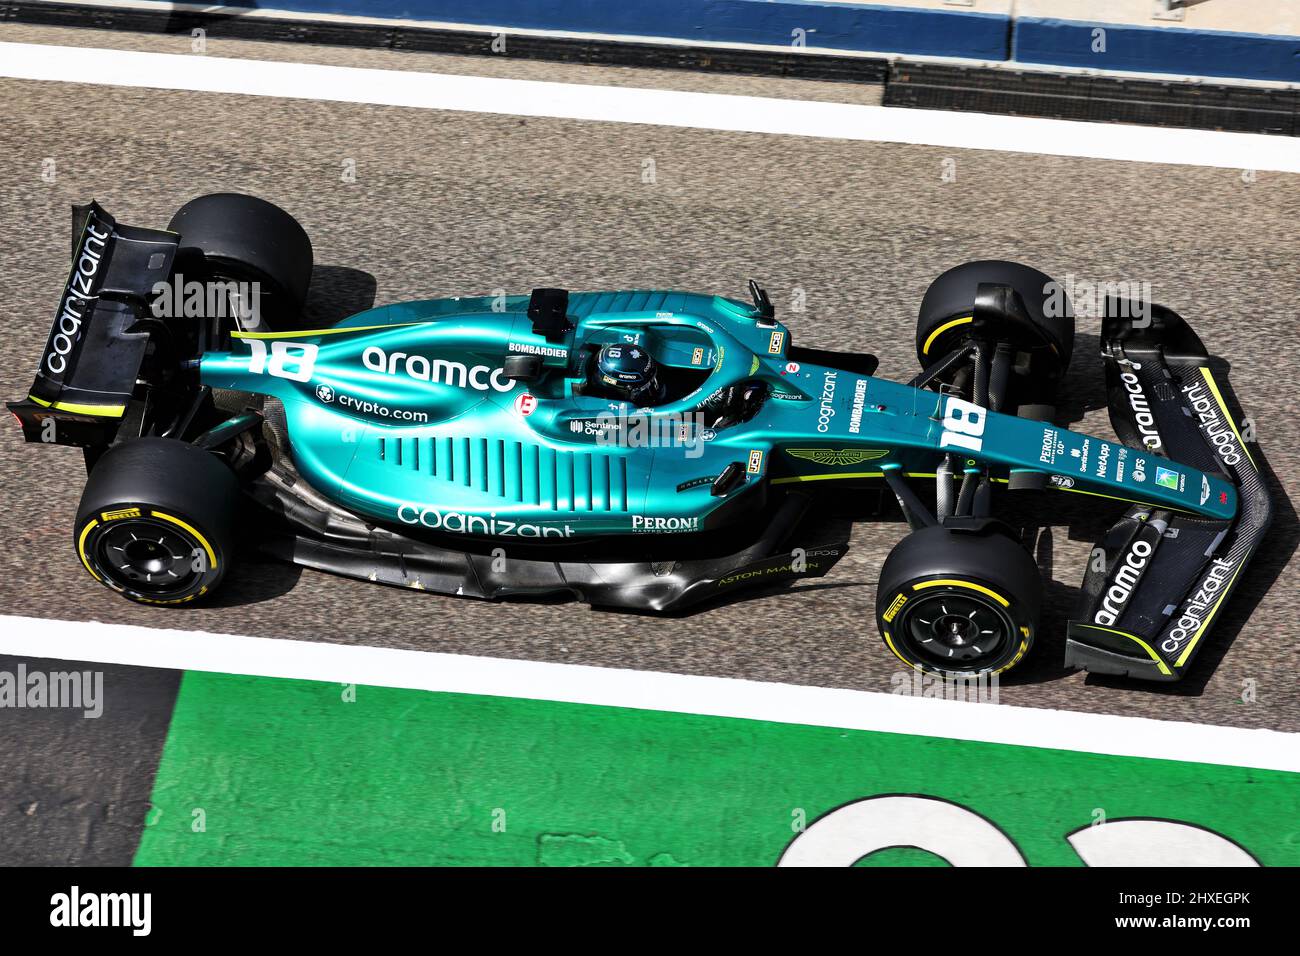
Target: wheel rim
150, 557
955, 631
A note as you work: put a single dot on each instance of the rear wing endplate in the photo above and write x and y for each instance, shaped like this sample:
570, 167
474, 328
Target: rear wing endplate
88, 370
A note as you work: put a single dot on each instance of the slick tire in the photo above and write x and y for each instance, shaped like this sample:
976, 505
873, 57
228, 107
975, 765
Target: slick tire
959, 603
156, 521
229, 237
948, 305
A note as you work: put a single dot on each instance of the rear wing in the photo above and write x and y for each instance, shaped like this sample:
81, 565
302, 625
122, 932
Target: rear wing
87, 373
1146, 610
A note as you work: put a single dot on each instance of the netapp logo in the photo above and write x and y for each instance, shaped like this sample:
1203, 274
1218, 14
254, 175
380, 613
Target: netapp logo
80, 295
1126, 579
1137, 401
441, 371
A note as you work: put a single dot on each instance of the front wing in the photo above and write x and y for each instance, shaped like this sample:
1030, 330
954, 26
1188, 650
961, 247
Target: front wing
1148, 605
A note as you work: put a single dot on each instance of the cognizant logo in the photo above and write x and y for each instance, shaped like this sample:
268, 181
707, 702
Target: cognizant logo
441, 371
437, 520
826, 410
78, 299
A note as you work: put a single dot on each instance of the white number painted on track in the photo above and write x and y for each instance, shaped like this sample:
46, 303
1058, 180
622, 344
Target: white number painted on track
964, 838
846, 835
1155, 843
963, 425
294, 361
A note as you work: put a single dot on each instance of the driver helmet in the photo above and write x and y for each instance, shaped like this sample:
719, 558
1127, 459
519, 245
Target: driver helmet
629, 372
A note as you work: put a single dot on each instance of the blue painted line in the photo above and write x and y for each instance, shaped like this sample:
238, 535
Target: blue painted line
1254, 56
859, 26
841, 26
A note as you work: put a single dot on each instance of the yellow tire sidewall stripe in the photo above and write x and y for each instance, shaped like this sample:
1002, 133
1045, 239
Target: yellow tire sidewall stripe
212, 555
954, 582
925, 349
198, 536
81, 548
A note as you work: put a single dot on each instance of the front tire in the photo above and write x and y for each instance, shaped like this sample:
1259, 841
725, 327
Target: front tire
947, 311
957, 602
156, 521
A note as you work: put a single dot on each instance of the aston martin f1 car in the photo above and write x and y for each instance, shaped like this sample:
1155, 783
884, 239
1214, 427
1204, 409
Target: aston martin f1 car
643, 450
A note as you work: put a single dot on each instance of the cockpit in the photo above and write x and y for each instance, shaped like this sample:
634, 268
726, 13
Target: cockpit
645, 366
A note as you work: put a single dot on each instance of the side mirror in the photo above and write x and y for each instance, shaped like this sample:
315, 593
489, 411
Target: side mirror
766, 312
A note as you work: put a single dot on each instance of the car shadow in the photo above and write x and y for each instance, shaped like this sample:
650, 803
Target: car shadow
337, 292
254, 579
1083, 389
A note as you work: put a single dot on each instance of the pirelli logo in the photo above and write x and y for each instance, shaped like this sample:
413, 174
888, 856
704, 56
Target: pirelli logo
121, 513
774, 344
895, 607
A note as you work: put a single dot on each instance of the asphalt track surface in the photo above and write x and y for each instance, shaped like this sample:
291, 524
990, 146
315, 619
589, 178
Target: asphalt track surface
450, 203
76, 790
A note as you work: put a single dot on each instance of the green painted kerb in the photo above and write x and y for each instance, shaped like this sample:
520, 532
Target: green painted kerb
278, 772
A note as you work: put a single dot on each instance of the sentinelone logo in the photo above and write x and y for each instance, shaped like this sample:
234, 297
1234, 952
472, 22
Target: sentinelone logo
78, 690
74, 909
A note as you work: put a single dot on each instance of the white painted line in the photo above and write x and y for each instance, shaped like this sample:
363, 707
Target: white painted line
648, 690
712, 111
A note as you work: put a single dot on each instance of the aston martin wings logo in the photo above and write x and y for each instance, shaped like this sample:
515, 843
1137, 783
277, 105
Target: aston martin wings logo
835, 458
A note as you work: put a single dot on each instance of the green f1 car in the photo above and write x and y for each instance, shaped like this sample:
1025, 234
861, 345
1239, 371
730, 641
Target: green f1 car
642, 450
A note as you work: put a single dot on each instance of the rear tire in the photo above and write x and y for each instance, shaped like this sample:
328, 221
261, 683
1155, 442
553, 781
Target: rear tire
959, 603
156, 521
233, 237
949, 303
